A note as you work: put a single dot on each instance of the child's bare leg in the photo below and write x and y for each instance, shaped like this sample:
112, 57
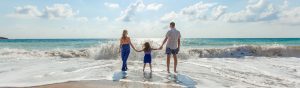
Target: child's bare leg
150, 67
144, 67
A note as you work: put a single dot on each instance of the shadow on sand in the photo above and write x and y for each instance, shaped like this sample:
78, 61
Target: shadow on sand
180, 79
185, 81
147, 76
119, 75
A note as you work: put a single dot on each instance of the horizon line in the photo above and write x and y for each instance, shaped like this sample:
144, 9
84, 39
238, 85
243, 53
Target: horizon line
182, 38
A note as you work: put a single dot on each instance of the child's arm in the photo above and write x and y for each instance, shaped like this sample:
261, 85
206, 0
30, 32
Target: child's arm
156, 49
139, 50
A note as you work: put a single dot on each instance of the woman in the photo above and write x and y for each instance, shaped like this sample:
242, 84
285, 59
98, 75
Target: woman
125, 44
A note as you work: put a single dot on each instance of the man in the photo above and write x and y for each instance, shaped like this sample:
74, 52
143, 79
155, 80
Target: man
173, 45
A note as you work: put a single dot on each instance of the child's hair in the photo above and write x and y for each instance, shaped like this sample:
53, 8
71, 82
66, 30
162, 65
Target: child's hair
147, 47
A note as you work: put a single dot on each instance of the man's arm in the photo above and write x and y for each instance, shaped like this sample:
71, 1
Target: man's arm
178, 42
120, 46
165, 40
156, 49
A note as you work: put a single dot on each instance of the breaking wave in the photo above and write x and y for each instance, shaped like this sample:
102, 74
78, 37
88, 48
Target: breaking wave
249, 50
111, 51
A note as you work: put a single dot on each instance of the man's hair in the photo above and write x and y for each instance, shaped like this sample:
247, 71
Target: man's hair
172, 24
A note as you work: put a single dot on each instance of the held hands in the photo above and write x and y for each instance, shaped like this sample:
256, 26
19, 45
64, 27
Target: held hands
160, 47
135, 50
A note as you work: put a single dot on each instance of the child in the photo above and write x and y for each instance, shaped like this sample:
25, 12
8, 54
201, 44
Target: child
147, 58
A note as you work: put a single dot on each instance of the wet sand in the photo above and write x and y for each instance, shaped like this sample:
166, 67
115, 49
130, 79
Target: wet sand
105, 84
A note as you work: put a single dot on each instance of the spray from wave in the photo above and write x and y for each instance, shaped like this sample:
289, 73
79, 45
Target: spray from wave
111, 51
248, 50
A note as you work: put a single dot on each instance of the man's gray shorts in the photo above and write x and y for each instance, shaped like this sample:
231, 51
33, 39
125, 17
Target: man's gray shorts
172, 51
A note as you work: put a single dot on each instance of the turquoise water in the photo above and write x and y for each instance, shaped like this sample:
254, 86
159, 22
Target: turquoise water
186, 42
52, 43
223, 42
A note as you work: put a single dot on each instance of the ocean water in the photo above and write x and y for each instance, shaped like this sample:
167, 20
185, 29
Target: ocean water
203, 62
186, 42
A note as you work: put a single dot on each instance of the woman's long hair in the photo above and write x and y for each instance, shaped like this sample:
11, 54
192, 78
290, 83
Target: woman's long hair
124, 34
147, 47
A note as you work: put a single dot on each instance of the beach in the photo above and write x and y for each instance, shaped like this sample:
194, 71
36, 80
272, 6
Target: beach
104, 84
210, 72
96, 63
150, 44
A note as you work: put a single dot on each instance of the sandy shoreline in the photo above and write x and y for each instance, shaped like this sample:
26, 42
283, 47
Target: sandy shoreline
103, 84
251, 72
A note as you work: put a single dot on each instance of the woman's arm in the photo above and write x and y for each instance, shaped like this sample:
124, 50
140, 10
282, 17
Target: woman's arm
131, 44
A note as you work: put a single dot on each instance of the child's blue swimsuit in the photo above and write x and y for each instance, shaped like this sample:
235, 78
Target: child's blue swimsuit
147, 57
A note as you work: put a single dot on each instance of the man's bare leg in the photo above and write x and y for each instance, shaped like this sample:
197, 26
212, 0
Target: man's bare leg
175, 62
168, 63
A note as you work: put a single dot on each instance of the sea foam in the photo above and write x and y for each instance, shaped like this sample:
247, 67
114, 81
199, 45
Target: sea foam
111, 51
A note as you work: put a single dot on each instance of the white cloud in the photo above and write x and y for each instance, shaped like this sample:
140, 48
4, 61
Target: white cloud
26, 11
140, 6
291, 16
252, 1
259, 11
285, 4
127, 15
246, 14
154, 6
101, 18
255, 11
197, 8
111, 5
82, 19
218, 11
270, 14
130, 11
168, 17
264, 11
56, 11
198, 11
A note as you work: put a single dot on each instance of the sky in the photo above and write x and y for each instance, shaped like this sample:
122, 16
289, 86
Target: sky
149, 18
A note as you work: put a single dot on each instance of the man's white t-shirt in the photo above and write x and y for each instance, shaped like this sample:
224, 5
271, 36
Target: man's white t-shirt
173, 36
